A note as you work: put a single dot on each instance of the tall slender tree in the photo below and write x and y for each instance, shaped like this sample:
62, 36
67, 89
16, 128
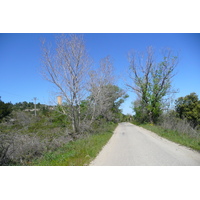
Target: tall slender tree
99, 80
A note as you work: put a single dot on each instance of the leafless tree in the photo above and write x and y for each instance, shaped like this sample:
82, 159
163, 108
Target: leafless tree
67, 68
99, 80
86, 91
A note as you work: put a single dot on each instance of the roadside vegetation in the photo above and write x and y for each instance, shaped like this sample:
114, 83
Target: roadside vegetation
26, 139
152, 82
181, 125
89, 103
79, 152
74, 130
185, 139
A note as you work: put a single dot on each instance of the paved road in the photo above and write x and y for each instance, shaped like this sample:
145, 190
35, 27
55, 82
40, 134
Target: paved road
134, 146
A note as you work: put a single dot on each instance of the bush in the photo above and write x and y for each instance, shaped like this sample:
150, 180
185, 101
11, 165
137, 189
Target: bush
28, 137
19, 149
25, 137
6, 141
170, 122
5, 109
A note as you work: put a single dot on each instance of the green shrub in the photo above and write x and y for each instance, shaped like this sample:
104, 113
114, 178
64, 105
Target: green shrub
78, 153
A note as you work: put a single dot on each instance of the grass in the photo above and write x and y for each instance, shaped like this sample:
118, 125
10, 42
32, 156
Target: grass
180, 138
77, 153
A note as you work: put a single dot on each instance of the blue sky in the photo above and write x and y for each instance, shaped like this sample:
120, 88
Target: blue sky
20, 61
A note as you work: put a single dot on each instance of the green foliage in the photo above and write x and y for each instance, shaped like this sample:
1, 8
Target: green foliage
77, 153
153, 92
26, 137
59, 119
180, 138
23, 105
105, 103
5, 109
141, 112
175, 129
113, 98
27, 106
152, 84
189, 107
119, 96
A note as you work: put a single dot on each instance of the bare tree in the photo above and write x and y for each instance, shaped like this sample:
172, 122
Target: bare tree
99, 79
67, 68
151, 81
87, 93
105, 97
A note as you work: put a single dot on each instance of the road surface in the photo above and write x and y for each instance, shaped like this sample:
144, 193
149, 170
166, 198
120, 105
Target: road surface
131, 145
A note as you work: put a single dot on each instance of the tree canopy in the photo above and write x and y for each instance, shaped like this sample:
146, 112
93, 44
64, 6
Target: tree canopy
189, 107
5, 109
151, 81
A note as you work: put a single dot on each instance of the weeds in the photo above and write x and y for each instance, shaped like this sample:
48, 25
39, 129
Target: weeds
175, 129
77, 153
175, 136
24, 138
181, 126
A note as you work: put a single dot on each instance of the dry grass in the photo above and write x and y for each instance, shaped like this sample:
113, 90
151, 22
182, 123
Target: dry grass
28, 138
181, 126
20, 149
176, 130
77, 153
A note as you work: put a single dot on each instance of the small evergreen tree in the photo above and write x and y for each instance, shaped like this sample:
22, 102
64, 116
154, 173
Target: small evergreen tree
5, 109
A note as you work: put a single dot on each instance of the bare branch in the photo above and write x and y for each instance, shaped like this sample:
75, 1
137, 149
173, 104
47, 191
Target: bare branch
151, 80
68, 68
